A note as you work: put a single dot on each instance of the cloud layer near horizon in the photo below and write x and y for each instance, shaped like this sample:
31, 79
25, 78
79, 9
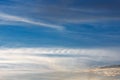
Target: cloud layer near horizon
55, 63
55, 59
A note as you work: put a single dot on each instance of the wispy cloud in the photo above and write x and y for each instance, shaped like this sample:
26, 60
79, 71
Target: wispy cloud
62, 13
11, 18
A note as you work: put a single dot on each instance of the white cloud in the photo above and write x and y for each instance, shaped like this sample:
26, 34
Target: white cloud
6, 18
21, 58
17, 62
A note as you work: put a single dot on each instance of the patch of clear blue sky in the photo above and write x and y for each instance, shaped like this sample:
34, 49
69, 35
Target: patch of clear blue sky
91, 32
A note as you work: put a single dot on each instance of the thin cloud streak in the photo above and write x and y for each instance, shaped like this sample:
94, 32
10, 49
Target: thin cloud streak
11, 18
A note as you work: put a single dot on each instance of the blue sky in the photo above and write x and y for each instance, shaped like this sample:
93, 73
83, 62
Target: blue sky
58, 35
60, 23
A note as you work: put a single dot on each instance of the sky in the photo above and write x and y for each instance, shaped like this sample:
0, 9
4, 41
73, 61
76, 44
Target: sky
58, 35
